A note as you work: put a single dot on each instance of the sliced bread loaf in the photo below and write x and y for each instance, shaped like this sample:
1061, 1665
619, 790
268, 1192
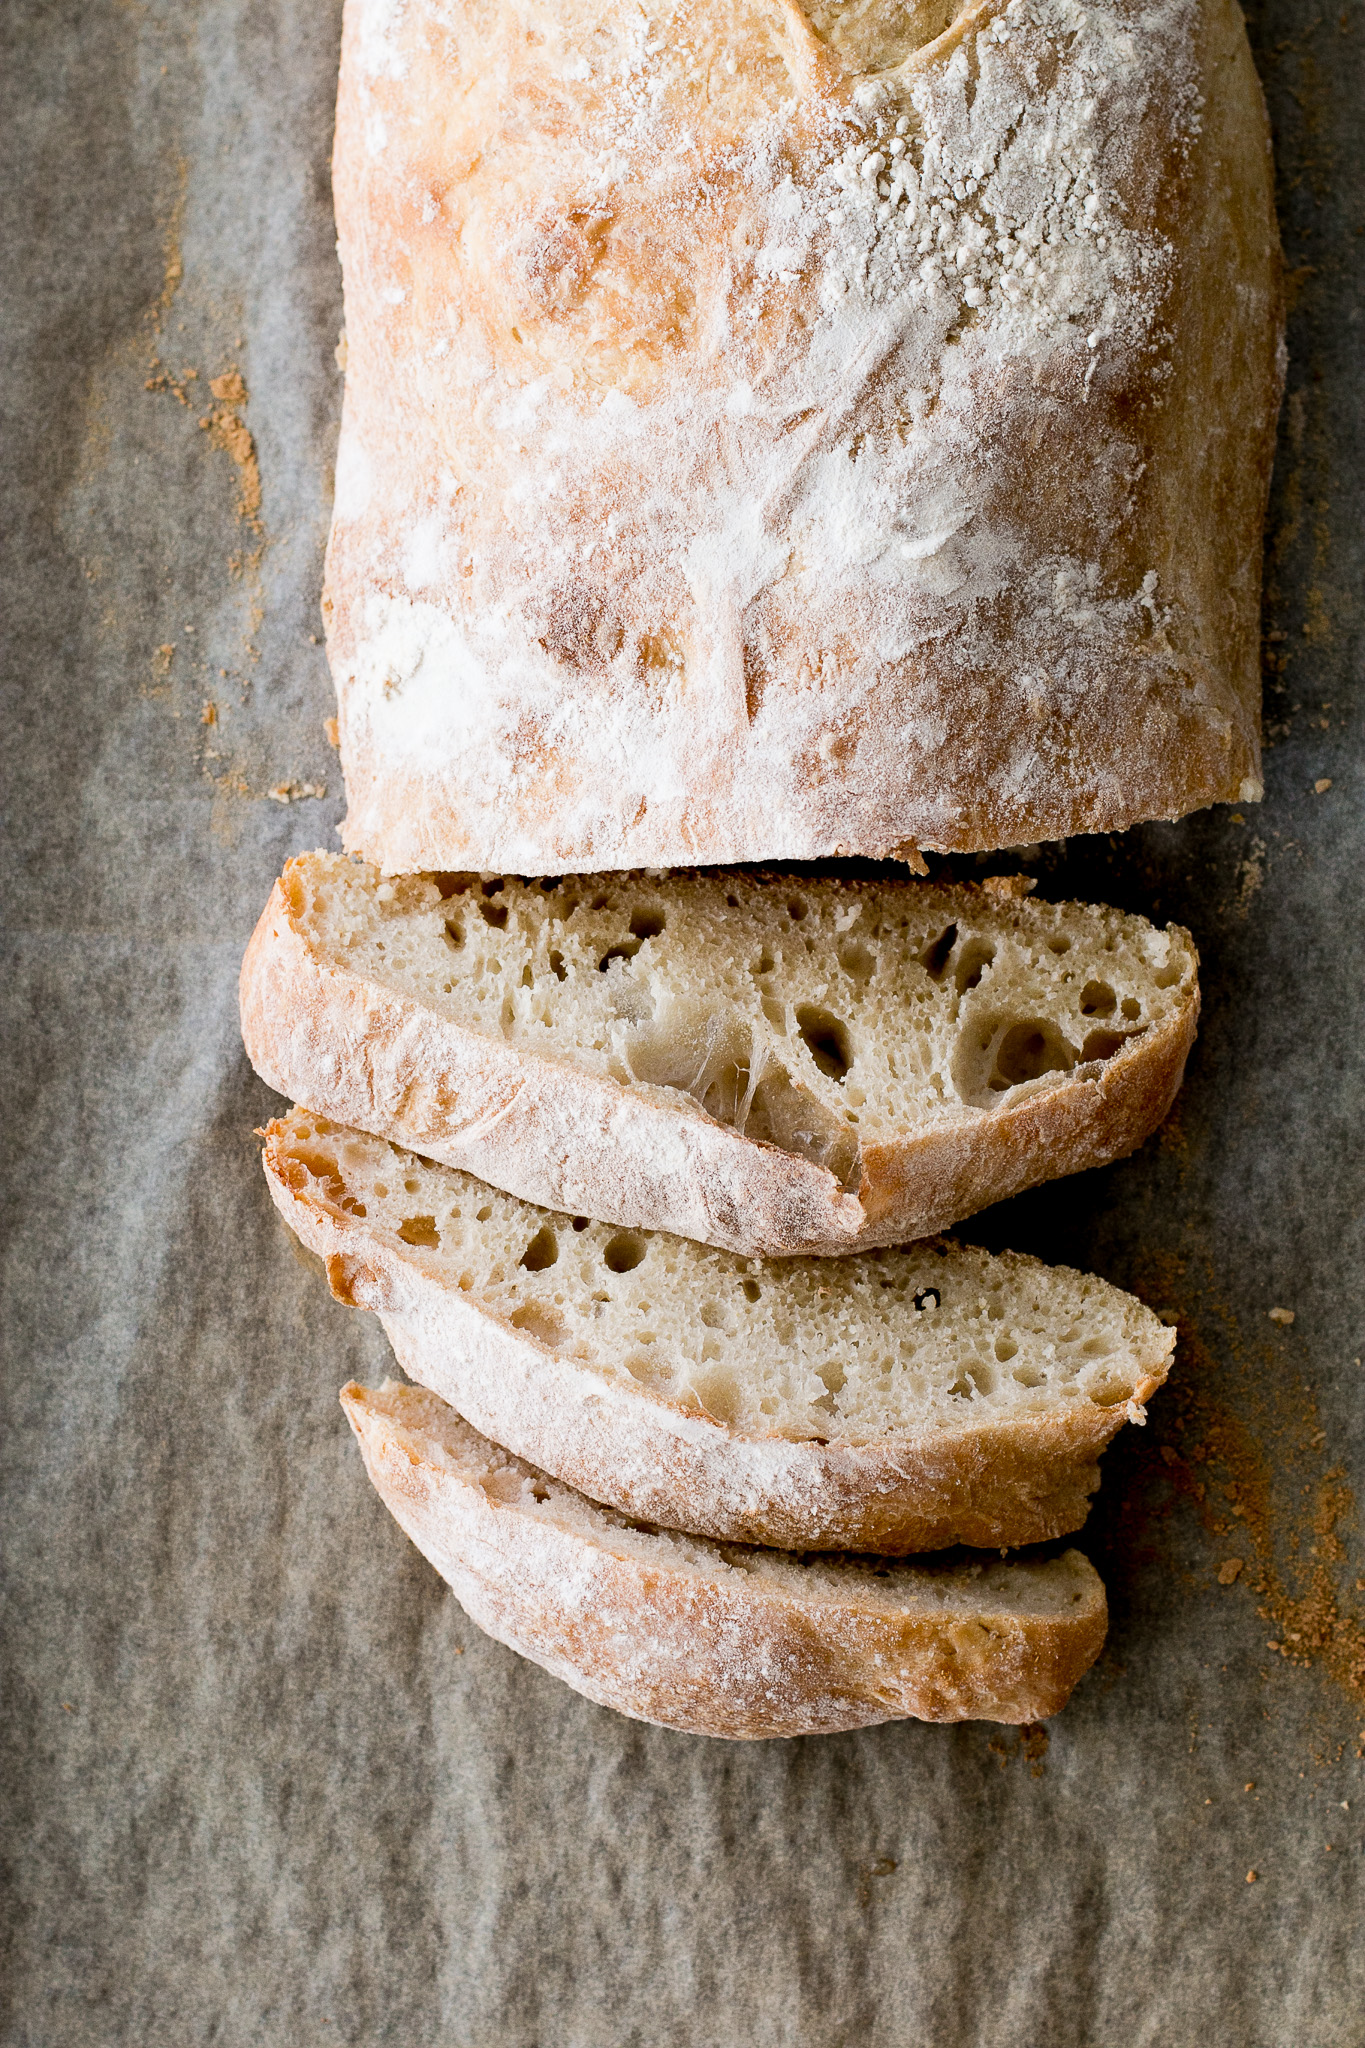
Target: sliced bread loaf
892, 1402
720, 1641
767, 1064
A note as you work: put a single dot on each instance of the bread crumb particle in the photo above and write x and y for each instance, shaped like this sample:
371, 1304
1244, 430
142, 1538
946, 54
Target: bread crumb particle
1252, 1876
329, 726
1228, 1570
209, 714
1322, 785
1282, 1315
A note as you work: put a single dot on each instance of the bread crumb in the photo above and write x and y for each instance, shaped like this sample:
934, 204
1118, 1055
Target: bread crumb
329, 726
1228, 1570
162, 659
209, 714
1250, 1785
1282, 1315
1007, 888
1322, 785
293, 792
1252, 1876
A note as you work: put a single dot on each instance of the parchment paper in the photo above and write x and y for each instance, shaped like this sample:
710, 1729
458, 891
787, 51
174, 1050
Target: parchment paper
264, 1781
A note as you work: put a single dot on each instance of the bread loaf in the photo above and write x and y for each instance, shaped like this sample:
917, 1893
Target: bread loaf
774, 431
739, 1643
892, 1402
771, 1064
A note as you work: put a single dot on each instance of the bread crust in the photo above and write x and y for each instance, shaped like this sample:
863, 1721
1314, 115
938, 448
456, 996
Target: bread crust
721, 1654
686, 515
1014, 1481
565, 1138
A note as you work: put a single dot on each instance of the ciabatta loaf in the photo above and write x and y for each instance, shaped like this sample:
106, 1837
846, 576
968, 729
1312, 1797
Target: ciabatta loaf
771, 1065
775, 430
740, 1643
893, 1402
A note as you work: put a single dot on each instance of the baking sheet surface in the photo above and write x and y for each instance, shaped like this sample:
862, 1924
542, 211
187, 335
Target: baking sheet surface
264, 1781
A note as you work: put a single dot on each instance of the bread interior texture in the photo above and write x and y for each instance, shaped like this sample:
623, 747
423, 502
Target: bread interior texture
819, 1016
937, 1336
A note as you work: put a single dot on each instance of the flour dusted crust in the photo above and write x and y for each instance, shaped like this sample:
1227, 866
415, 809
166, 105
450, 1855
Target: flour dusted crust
328, 1024
659, 1426
714, 1641
773, 433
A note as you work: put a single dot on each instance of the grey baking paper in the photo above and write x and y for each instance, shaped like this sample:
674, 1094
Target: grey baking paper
264, 1782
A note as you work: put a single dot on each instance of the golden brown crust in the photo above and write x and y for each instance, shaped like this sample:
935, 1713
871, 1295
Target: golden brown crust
717, 1651
1012, 1481
569, 1139
687, 512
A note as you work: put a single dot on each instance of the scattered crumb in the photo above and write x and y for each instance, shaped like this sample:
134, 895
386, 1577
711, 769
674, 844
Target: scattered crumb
209, 714
329, 726
228, 431
1252, 1876
1227, 1571
1282, 1315
1008, 888
1322, 785
294, 792
162, 659
341, 350
1250, 1785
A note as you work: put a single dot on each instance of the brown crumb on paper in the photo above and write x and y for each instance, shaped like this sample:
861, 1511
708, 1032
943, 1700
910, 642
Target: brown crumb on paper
1228, 1571
1322, 785
1008, 888
329, 726
227, 430
294, 792
209, 714
162, 659
1282, 1315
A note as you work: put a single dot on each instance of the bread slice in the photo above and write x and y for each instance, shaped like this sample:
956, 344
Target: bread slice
893, 1402
770, 1064
720, 1641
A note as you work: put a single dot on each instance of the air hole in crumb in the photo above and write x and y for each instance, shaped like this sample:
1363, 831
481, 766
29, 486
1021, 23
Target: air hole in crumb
623, 1253
482, 1215
796, 908
1167, 976
752, 1290
580, 1223
763, 964
410, 1187
733, 902
454, 935
1102, 1045
380, 1189
833, 1375
542, 1251
493, 886
539, 1493
713, 1315
1131, 1007
1027, 1375
1059, 943
1005, 1350
1029, 1050
975, 958
647, 924
928, 1297
1097, 999
494, 914
934, 959
557, 967
419, 1230
625, 951
538, 1320
856, 959
826, 1039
